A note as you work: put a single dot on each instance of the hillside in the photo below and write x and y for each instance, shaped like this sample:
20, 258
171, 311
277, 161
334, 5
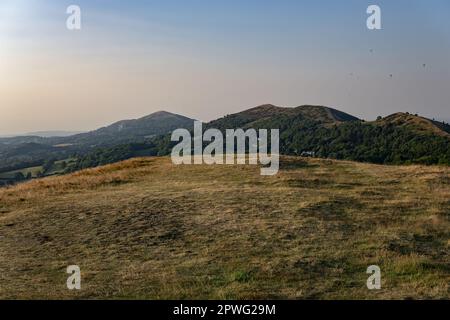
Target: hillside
157, 123
417, 124
136, 130
53, 133
124, 137
145, 228
320, 131
268, 113
328, 133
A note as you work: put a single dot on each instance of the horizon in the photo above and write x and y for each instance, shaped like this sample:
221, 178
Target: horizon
74, 132
204, 60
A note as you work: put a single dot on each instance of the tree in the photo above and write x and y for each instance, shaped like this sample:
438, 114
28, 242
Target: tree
18, 176
48, 164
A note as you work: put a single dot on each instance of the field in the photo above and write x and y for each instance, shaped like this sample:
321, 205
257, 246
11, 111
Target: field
56, 168
10, 174
147, 229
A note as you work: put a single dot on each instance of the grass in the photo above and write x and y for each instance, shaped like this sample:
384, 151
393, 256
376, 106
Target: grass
145, 228
57, 168
11, 174
416, 123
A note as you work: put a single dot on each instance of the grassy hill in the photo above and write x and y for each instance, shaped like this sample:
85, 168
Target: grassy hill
328, 133
136, 130
124, 138
324, 132
145, 228
268, 113
417, 124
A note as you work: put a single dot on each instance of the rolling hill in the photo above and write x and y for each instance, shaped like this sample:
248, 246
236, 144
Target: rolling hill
328, 133
418, 124
148, 229
324, 132
138, 130
135, 130
264, 114
53, 133
30, 151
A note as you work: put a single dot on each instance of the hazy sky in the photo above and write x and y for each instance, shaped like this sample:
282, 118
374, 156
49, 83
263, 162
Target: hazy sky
207, 58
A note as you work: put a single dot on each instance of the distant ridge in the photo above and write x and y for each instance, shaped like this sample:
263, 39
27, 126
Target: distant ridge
43, 134
53, 133
128, 137
157, 123
324, 132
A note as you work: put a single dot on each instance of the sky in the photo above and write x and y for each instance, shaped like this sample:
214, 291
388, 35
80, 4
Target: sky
205, 59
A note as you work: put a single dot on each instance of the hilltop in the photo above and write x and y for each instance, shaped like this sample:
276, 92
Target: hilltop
157, 123
254, 117
126, 137
417, 124
145, 228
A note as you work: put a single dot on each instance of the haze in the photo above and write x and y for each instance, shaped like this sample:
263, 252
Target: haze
205, 59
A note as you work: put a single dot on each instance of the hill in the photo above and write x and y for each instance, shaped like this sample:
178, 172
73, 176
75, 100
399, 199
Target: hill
145, 228
127, 138
137, 130
319, 131
385, 141
328, 133
415, 123
263, 114
53, 133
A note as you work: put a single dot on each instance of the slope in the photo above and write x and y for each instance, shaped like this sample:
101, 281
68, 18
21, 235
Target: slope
145, 228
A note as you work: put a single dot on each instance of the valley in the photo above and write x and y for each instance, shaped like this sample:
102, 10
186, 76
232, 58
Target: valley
400, 138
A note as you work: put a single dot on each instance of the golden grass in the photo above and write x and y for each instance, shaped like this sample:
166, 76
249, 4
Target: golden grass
418, 124
145, 228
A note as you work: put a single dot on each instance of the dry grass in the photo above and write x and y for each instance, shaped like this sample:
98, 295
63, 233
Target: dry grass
147, 229
416, 123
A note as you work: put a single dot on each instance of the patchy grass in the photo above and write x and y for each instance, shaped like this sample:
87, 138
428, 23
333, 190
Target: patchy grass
145, 228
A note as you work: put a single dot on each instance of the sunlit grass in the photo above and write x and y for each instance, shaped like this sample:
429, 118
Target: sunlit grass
145, 228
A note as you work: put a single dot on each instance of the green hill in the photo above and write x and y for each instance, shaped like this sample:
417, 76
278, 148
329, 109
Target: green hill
264, 114
324, 132
417, 124
329, 133
125, 138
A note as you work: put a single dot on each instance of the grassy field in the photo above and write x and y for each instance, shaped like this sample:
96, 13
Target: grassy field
10, 174
145, 228
57, 168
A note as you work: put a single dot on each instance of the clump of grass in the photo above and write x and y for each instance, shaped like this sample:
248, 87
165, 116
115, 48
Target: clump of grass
241, 276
